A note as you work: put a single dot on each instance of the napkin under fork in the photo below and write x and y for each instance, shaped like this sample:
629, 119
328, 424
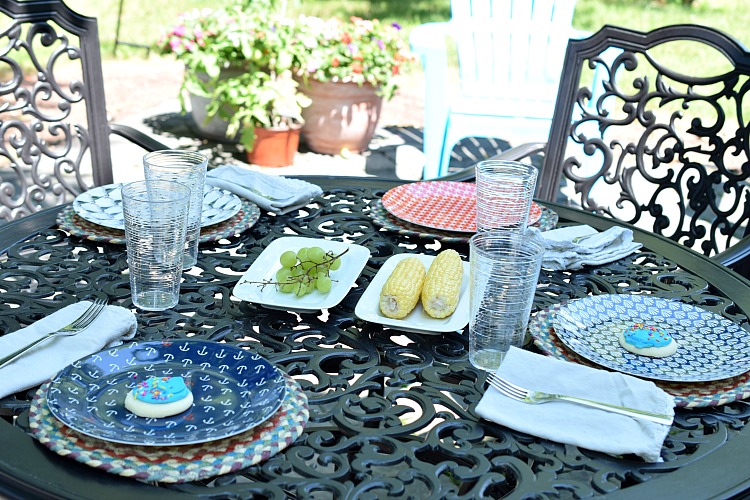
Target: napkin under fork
574, 424
112, 327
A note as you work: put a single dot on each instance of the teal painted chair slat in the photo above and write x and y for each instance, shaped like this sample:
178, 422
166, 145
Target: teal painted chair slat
510, 54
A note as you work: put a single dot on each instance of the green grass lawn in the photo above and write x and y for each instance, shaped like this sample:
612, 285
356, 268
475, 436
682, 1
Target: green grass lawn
142, 20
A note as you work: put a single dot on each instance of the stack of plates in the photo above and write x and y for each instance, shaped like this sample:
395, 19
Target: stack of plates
442, 210
97, 214
710, 366
245, 410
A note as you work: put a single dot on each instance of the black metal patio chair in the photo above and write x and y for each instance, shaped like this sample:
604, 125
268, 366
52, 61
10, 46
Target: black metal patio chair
54, 133
660, 146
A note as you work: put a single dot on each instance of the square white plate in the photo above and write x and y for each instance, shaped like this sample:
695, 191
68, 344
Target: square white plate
368, 307
265, 267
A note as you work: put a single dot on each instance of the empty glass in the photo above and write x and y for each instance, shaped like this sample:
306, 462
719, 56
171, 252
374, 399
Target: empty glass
189, 168
504, 273
505, 190
156, 215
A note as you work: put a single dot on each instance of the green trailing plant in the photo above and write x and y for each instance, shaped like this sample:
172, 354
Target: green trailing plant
241, 58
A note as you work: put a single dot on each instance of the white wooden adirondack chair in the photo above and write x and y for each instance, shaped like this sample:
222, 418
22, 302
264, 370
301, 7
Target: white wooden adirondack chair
510, 54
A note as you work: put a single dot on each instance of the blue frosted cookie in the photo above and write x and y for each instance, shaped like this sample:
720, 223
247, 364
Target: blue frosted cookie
647, 340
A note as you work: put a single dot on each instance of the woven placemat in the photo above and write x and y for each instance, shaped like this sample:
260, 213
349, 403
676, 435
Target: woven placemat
76, 225
174, 464
686, 394
390, 222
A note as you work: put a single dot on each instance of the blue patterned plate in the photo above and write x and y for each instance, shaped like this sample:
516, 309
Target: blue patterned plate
103, 205
709, 347
233, 390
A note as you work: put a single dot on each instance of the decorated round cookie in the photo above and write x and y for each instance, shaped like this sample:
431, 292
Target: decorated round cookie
159, 397
647, 340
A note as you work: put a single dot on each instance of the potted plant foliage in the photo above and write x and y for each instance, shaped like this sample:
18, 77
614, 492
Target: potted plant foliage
350, 67
238, 66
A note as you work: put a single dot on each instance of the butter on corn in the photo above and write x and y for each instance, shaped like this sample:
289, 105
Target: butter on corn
442, 286
401, 290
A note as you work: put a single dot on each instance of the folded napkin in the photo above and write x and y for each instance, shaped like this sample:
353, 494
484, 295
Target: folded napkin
576, 424
270, 192
114, 325
576, 246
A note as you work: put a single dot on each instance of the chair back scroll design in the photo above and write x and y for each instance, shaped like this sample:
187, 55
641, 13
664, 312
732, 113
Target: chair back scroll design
662, 147
54, 136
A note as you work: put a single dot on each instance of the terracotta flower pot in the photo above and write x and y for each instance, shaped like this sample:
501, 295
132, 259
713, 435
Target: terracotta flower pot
274, 147
341, 115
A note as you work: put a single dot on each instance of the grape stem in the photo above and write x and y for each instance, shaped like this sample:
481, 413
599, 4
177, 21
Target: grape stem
308, 276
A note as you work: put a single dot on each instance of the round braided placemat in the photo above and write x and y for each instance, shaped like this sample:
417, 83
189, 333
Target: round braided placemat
686, 394
175, 464
71, 222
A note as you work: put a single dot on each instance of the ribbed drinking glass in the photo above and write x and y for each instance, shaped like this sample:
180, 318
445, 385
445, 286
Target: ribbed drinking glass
189, 168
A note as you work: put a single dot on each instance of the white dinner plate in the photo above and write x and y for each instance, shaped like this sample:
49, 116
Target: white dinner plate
265, 266
103, 205
418, 321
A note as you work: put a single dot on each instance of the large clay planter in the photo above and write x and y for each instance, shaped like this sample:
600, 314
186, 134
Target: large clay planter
274, 147
341, 116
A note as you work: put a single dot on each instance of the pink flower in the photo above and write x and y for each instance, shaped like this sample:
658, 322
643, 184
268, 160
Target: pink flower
179, 31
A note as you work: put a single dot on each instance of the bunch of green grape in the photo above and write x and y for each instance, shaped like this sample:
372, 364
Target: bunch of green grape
306, 270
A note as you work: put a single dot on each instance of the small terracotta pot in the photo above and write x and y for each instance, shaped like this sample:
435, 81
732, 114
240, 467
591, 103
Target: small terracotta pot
274, 147
341, 115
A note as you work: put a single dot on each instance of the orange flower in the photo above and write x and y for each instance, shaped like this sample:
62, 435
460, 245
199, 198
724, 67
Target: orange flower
395, 70
346, 38
358, 57
335, 62
357, 67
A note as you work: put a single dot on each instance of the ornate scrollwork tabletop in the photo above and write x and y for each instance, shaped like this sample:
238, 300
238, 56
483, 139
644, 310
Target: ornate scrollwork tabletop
391, 412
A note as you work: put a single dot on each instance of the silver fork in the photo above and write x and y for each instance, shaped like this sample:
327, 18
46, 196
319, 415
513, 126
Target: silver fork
77, 325
535, 397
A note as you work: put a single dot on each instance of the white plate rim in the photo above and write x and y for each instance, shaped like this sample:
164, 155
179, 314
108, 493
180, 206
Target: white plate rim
417, 321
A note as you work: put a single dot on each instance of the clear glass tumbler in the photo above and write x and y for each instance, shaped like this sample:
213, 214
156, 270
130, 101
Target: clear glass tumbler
189, 168
504, 273
505, 190
156, 215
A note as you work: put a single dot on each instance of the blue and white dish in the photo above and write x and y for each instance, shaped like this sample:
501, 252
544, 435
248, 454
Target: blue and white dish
233, 390
103, 205
709, 347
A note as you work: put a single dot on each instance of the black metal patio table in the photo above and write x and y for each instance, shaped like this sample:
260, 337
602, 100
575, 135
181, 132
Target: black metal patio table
391, 412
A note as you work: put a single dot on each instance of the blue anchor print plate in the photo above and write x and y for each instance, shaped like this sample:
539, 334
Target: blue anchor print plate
233, 391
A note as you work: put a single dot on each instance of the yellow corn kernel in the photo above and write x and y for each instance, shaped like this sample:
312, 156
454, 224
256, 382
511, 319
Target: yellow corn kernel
443, 284
401, 290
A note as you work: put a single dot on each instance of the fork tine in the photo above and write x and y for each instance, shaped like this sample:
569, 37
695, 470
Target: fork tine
510, 390
509, 384
89, 315
504, 390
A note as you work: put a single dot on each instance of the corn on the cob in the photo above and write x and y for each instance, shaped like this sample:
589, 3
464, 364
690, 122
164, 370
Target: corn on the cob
401, 290
443, 284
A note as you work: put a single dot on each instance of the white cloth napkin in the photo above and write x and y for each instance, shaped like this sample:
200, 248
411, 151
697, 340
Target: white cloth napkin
271, 192
576, 424
114, 325
576, 246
